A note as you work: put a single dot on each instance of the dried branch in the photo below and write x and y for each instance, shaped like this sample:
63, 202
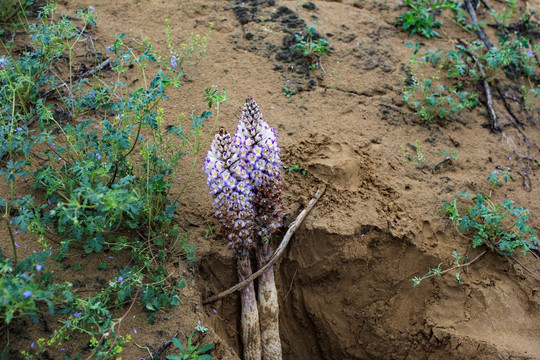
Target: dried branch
292, 228
489, 100
477, 28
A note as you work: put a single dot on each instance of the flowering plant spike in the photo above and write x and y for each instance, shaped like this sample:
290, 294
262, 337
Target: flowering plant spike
263, 162
244, 177
229, 183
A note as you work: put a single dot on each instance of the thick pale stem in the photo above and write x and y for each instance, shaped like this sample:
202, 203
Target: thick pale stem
269, 307
251, 332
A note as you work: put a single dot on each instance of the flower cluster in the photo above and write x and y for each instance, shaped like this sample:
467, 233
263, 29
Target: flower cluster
264, 160
231, 187
243, 174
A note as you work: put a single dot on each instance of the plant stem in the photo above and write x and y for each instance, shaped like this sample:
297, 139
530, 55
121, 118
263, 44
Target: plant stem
250, 329
198, 146
14, 248
292, 228
458, 266
268, 306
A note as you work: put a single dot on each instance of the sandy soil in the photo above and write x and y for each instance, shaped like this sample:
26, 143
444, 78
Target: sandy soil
344, 281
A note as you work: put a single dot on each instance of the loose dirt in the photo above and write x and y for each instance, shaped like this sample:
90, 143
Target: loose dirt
344, 281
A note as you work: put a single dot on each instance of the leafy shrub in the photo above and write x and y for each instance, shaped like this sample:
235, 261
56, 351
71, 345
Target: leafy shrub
503, 228
12, 9
191, 351
420, 18
26, 284
107, 161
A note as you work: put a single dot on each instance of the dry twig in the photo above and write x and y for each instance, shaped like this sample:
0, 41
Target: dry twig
489, 100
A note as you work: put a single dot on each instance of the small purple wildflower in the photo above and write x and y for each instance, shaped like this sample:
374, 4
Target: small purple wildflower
39, 267
92, 94
120, 279
174, 62
134, 330
77, 314
31, 345
110, 257
15, 232
91, 8
98, 156
530, 53
3, 62
66, 323
423, 58
17, 245
109, 48
215, 311
64, 349
27, 294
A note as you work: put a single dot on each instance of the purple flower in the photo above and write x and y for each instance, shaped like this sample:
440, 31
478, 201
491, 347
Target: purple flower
109, 48
135, 330
174, 62
3, 62
27, 294
264, 158
77, 314
530, 53
98, 156
91, 94
110, 257
243, 174
225, 175
120, 279
17, 245
91, 8
31, 345
39, 267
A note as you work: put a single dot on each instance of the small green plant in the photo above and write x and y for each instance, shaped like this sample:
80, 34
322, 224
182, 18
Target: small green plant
11, 10
189, 54
312, 46
208, 231
438, 272
417, 149
502, 228
288, 92
506, 17
311, 43
200, 328
420, 19
450, 155
437, 102
493, 177
191, 351
295, 168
